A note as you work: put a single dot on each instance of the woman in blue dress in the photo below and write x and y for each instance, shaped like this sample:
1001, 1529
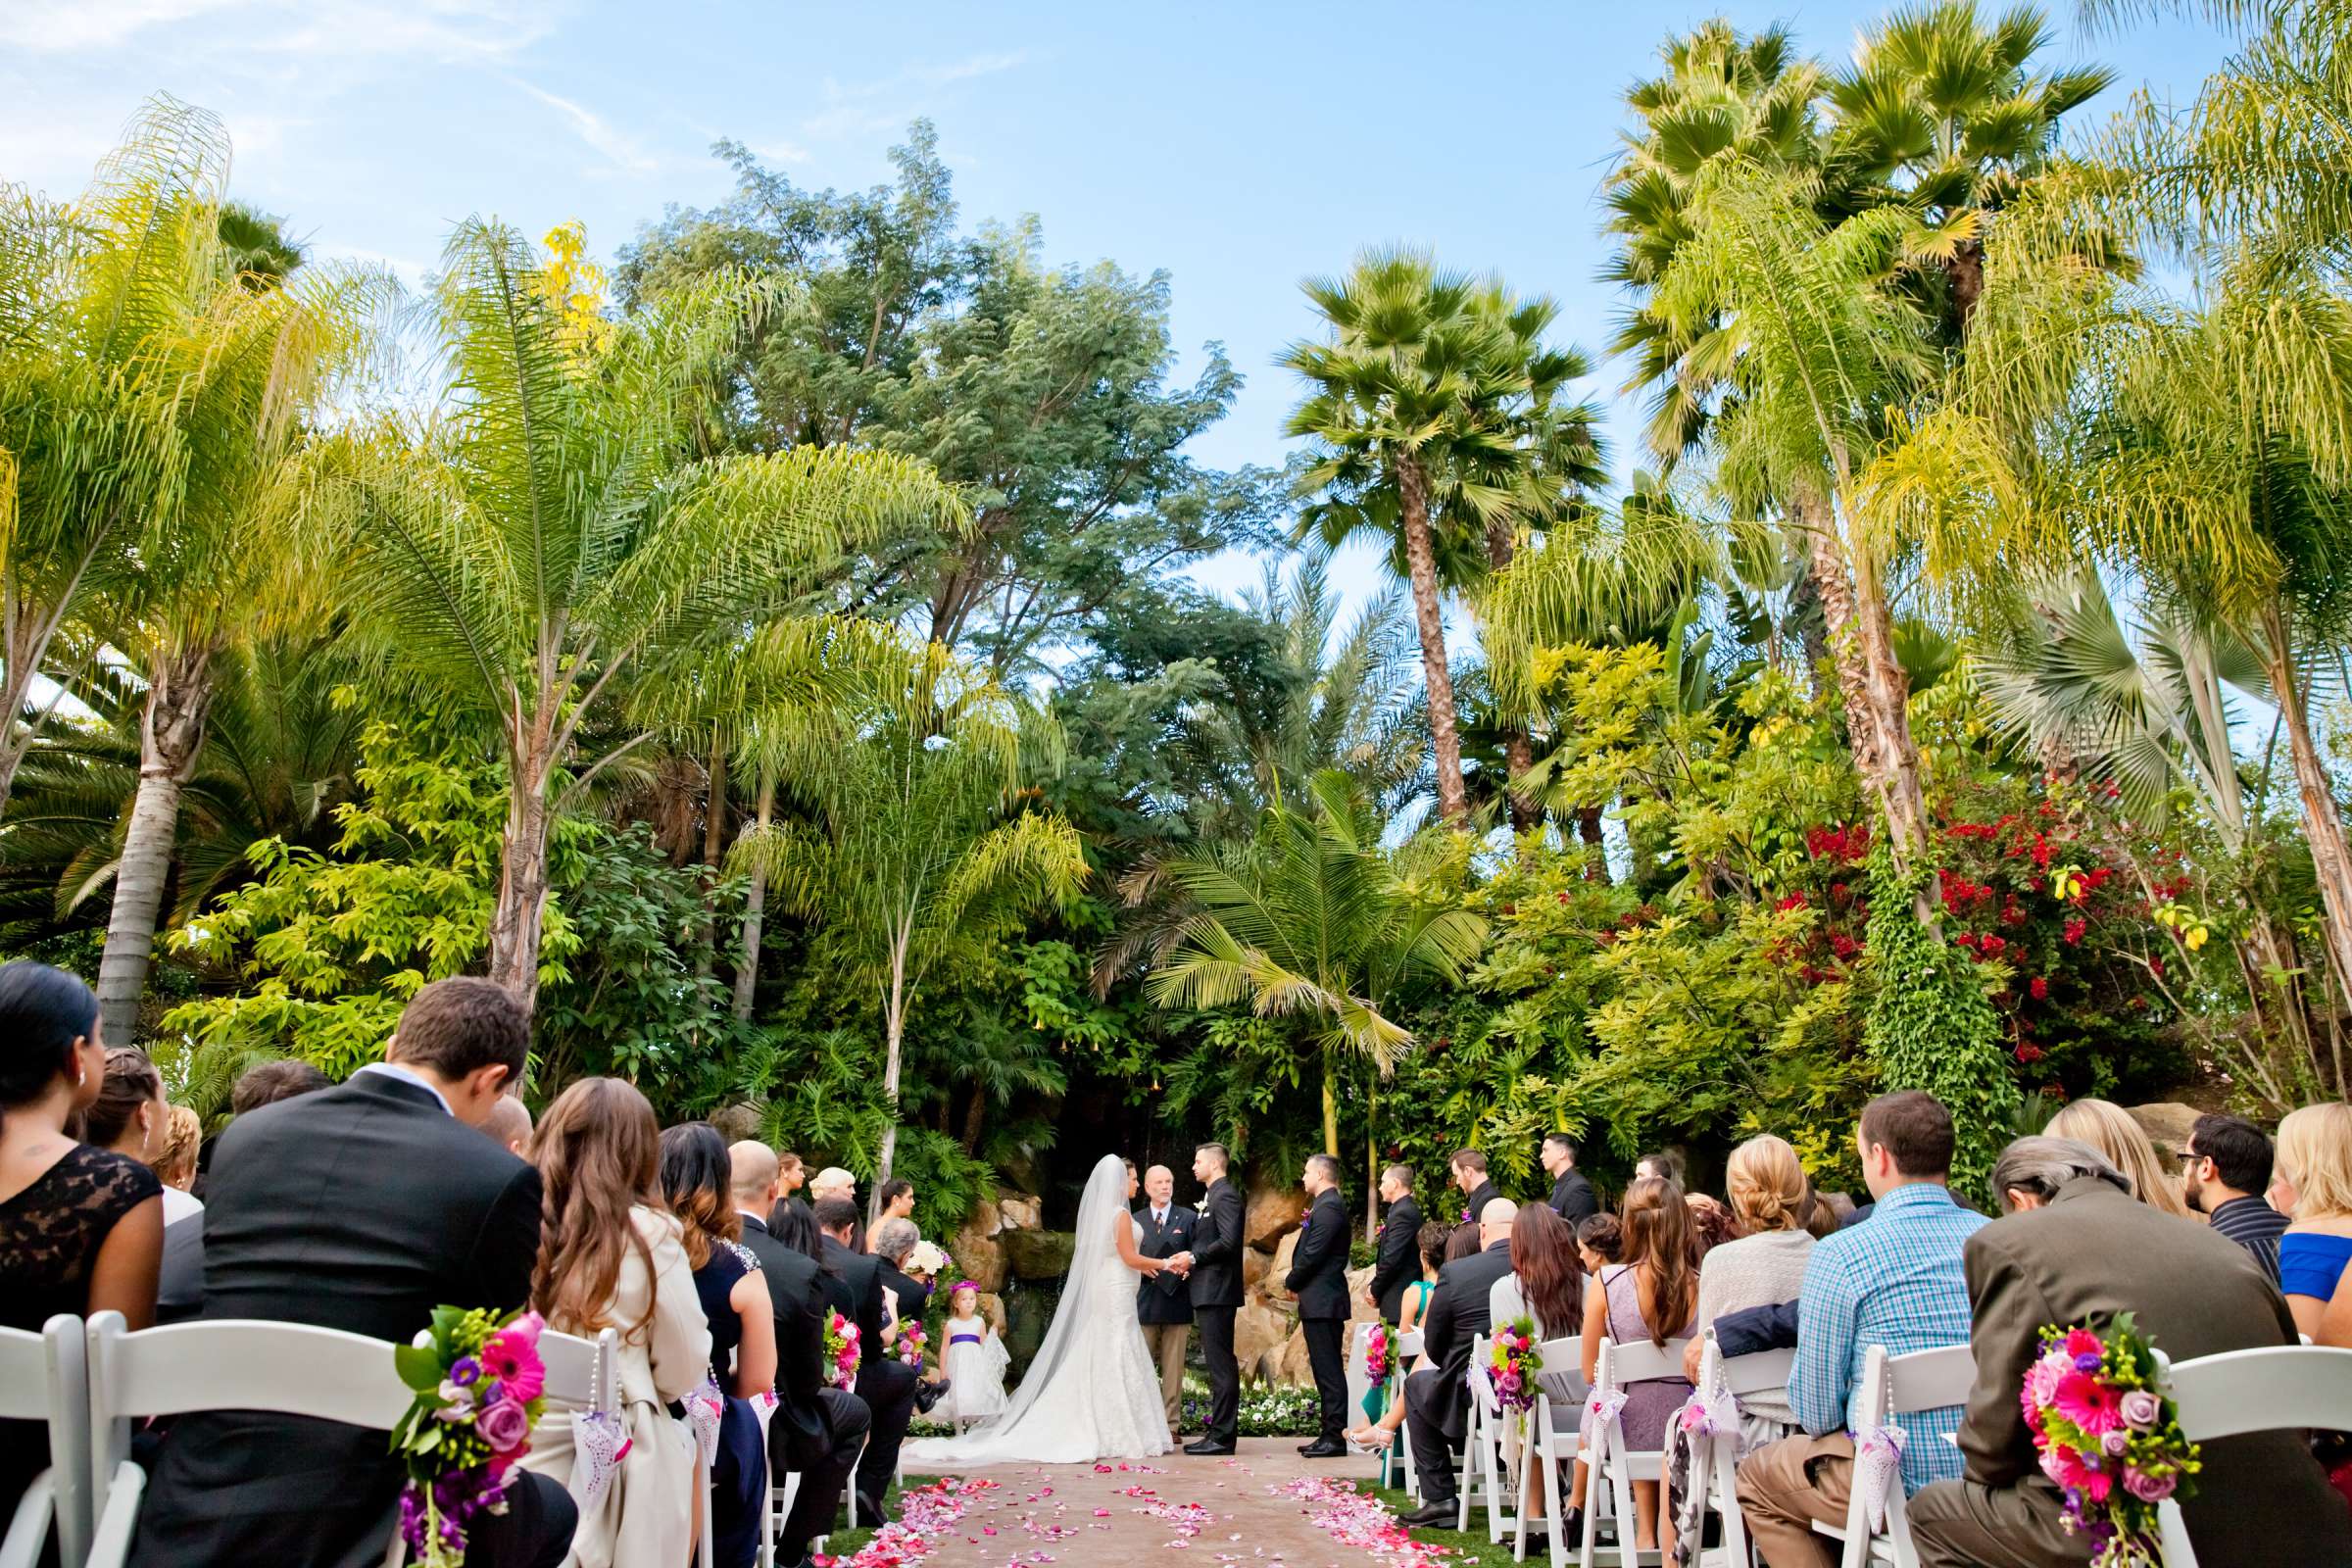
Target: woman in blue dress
2311, 1183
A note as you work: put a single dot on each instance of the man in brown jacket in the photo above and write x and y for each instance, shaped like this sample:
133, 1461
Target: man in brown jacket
2077, 1247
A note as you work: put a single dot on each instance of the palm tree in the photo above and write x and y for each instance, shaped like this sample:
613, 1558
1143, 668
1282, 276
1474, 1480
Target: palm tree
546, 532
1311, 918
912, 835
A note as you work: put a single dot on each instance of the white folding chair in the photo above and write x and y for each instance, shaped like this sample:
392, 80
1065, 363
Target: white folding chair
1408, 1350
1611, 1463
1892, 1385
1478, 1435
43, 1378
1715, 1457
2289, 1386
582, 1378
1551, 1444
1486, 1460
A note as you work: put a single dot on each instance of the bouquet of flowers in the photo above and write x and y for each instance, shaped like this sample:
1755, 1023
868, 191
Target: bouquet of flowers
912, 1343
479, 1387
1516, 1361
840, 1351
1376, 1354
2109, 1436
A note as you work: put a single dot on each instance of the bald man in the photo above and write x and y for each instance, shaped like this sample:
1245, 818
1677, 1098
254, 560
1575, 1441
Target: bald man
1436, 1402
510, 1124
1162, 1302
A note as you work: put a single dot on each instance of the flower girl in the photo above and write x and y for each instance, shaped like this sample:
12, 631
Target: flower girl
974, 1361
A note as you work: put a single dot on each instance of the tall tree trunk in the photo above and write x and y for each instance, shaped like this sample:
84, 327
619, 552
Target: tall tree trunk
1453, 801
1371, 1166
28, 625
2323, 823
894, 1030
975, 1119
519, 920
1967, 271
714, 811
1587, 828
755, 910
179, 692
1331, 1107
1520, 748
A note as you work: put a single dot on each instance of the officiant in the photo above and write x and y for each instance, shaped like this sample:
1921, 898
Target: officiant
1162, 1302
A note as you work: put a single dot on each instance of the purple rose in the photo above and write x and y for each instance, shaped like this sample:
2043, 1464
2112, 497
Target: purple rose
2087, 1362
2115, 1442
506, 1426
2141, 1408
2147, 1487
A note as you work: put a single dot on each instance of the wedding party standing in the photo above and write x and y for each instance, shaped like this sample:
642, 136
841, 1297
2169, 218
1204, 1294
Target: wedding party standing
1318, 1278
1214, 1268
1164, 1302
1398, 1262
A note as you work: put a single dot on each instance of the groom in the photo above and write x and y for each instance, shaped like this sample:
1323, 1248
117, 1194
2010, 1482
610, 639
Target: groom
1213, 1267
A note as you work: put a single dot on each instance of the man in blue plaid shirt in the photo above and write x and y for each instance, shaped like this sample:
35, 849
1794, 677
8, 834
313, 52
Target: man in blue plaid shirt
1893, 1280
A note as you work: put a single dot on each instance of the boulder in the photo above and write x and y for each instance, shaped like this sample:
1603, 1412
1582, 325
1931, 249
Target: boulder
1292, 1366
1027, 1315
1019, 1211
1279, 1271
1254, 1268
2168, 1123
1359, 1280
1036, 1255
1258, 1335
978, 1256
1273, 1213
737, 1123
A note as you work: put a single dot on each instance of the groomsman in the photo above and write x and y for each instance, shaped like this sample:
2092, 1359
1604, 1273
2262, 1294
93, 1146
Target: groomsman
1162, 1302
1571, 1194
1468, 1167
1214, 1268
1399, 1260
1318, 1277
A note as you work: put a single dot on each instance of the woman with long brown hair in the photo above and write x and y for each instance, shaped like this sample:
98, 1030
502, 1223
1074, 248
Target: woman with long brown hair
611, 1255
1546, 1287
1653, 1298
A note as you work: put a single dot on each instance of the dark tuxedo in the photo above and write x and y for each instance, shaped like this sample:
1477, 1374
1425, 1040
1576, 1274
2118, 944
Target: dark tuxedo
913, 1296
1163, 1298
1436, 1411
885, 1383
1218, 1232
1400, 1261
816, 1428
362, 1209
1476, 1203
1572, 1196
1318, 1277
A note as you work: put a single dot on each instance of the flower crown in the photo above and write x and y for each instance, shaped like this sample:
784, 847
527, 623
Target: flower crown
972, 1286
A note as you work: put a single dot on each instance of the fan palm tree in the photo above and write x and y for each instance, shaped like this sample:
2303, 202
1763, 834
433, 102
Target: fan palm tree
913, 834
547, 532
1312, 917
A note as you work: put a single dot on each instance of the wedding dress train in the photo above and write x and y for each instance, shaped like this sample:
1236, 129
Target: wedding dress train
1093, 1392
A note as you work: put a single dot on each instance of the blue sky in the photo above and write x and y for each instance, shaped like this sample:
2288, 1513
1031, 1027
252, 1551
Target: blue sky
1237, 146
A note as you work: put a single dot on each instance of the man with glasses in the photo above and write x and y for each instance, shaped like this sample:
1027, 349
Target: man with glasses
2227, 1168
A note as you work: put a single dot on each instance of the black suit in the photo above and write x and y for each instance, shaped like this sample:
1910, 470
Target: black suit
1436, 1412
1318, 1277
359, 1208
1477, 1204
1163, 1298
885, 1383
816, 1428
1399, 1260
1216, 1291
1572, 1196
913, 1296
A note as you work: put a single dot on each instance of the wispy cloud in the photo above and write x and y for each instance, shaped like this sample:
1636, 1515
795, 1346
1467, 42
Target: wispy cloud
441, 29
857, 110
593, 128
66, 26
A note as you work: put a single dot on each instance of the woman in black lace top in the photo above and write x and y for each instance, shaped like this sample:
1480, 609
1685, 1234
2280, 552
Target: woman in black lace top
81, 1229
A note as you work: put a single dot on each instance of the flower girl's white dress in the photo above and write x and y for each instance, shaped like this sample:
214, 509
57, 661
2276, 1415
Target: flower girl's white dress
974, 1361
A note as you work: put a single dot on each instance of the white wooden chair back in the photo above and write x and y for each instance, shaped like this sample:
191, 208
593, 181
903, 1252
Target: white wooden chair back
1479, 1432
1715, 1457
1409, 1345
1892, 1385
1613, 1464
2226, 1395
43, 1377
581, 1374
1545, 1444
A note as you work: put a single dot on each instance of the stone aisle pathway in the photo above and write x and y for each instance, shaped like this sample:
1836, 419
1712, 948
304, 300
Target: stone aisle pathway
1263, 1508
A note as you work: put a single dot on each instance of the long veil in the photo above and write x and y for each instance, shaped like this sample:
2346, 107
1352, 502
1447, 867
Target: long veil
1086, 1307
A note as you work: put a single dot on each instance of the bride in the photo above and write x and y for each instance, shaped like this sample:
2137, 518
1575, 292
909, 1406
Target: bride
1093, 1392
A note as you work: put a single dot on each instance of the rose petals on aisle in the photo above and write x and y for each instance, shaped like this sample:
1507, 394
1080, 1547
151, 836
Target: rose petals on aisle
1360, 1521
926, 1515
1187, 1519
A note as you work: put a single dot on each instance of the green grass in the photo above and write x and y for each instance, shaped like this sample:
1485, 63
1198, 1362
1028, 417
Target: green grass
847, 1542
1469, 1548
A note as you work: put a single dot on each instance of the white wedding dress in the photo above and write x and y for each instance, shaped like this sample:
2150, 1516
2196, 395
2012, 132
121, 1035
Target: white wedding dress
1093, 1392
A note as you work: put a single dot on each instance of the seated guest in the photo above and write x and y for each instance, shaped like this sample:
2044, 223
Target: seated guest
1600, 1241
895, 1242
1895, 1281
81, 1228
269, 1082
179, 1287
1436, 1401
1398, 1265
359, 1208
886, 1385
1412, 1307
510, 1125
1767, 1189
697, 1180
131, 1117
1650, 1298
611, 1257
184, 1140
1546, 1287
2109, 1128
2227, 1168
2075, 1249
1571, 1194
2311, 1183
832, 1182
816, 1428
1711, 1225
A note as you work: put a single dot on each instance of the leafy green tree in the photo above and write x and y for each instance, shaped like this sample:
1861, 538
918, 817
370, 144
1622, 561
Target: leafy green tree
546, 537
911, 836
